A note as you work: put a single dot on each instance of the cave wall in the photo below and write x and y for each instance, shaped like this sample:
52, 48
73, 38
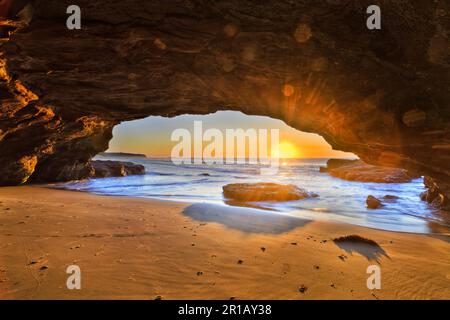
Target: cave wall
382, 94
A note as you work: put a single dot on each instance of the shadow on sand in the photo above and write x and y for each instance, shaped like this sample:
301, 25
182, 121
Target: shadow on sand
365, 247
249, 220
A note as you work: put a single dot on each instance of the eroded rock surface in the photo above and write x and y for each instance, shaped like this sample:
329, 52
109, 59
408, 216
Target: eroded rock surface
336, 163
313, 64
436, 193
104, 169
373, 203
357, 170
254, 192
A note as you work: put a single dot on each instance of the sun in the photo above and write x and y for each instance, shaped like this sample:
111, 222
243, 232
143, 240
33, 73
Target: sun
288, 150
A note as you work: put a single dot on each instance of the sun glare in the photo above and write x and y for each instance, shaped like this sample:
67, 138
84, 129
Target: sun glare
288, 150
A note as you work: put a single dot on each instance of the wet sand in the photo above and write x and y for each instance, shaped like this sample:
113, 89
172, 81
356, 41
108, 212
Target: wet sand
130, 248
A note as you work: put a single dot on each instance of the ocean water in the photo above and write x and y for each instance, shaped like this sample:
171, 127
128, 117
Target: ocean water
339, 200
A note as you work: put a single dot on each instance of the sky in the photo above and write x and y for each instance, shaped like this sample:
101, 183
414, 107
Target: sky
151, 136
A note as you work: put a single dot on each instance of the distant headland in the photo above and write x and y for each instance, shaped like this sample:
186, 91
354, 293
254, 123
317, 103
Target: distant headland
122, 154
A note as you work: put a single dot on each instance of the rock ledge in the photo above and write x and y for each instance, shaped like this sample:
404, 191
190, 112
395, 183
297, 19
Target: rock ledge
104, 169
253, 192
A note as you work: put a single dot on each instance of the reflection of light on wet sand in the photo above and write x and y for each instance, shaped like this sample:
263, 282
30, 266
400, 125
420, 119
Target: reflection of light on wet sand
245, 219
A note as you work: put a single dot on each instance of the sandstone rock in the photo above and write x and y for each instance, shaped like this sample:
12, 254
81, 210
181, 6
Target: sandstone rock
336, 163
103, 169
437, 194
362, 172
373, 203
414, 118
10, 8
251, 192
323, 169
390, 198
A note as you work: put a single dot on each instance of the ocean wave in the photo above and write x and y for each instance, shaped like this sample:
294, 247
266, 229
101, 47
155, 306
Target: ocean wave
339, 200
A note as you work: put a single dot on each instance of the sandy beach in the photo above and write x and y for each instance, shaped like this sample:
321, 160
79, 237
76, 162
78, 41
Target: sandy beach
130, 248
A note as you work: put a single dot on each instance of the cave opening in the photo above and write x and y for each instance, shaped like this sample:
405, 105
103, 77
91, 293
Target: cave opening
151, 136
328, 196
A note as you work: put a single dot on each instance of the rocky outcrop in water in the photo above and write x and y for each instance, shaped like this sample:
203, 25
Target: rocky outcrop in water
382, 94
436, 193
337, 163
254, 192
104, 169
356, 170
373, 203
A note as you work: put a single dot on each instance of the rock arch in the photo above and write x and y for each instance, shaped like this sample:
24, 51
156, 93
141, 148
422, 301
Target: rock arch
313, 64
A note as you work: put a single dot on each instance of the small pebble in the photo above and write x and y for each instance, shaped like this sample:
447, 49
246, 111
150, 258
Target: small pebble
302, 289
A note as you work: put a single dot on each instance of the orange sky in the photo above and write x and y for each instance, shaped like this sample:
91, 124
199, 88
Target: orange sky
151, 136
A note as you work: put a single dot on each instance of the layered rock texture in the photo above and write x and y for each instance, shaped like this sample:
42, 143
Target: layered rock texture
436, 193
254, 192
357, 170
373, 203
382, 94
104, 169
